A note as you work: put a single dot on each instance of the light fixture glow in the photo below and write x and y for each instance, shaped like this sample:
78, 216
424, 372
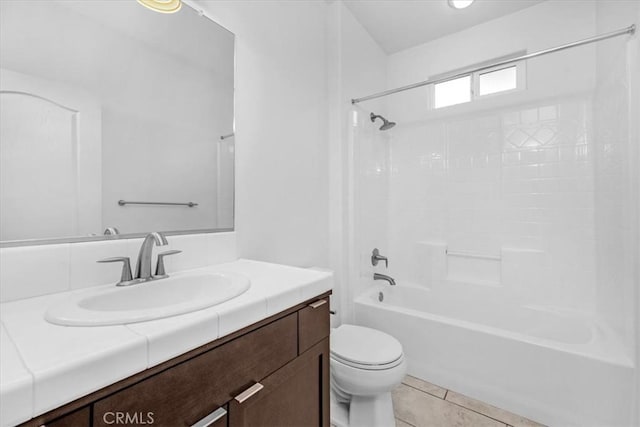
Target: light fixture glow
460, 4
162, 6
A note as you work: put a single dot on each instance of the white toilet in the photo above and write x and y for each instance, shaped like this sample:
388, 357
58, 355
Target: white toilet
366, 365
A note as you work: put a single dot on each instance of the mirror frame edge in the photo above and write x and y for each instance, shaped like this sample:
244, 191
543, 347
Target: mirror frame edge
103, 238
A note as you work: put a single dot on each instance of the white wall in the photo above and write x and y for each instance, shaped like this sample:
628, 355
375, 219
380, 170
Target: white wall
292, 99
357, 66
281, 128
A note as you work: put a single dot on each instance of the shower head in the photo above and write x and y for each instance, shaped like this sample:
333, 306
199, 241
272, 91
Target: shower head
386, 124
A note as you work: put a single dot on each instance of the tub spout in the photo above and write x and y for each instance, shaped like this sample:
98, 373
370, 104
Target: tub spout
378, 276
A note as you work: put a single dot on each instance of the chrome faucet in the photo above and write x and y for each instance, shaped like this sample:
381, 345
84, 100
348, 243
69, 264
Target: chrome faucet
111, 231
378, 276
143, 266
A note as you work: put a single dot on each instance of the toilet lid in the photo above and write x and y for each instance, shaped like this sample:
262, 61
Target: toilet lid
364, 346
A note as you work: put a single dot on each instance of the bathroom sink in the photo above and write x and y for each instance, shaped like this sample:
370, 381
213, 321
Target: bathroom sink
178, 294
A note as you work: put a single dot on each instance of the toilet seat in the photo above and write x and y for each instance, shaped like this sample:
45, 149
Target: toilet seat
365, 348
395, 363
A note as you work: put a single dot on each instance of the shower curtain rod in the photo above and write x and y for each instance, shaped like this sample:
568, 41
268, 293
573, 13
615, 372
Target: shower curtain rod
628, 30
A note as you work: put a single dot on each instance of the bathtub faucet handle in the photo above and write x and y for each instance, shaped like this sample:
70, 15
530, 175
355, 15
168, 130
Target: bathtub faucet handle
375, 257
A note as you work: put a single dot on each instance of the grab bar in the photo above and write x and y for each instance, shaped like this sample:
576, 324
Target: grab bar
472, 255
125, 202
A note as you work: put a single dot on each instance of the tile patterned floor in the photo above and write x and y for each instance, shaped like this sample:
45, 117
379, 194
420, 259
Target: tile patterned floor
418, 403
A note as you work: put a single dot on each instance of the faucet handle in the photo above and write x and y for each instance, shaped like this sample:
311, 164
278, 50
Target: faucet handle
375, 257
111, 231
125, 276
160, 271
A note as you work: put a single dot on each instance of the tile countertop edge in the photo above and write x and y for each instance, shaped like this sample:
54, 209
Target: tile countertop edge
17, 391
277, 287
50, 386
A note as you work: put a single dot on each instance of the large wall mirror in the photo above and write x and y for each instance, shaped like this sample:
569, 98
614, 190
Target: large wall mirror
113, 116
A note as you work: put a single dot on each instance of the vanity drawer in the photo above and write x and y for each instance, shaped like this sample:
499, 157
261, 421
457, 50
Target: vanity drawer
294, 395
188, 392
313, 324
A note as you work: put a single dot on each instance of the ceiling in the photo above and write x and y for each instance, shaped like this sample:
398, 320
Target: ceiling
400, 24
181, 35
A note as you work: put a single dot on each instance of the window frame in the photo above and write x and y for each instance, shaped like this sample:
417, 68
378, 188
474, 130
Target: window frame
474, 86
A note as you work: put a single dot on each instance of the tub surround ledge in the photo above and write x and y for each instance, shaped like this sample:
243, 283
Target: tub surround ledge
45, 366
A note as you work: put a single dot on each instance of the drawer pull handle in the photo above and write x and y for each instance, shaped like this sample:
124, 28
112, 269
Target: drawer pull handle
211, 418
318, 303
249, 392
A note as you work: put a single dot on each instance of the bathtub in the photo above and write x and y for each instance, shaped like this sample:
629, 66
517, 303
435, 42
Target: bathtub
556, 367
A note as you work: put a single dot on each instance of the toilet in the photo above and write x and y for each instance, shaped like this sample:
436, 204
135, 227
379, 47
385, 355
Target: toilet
366, 364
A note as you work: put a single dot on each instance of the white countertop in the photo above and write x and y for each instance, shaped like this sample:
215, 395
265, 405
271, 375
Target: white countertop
44, 366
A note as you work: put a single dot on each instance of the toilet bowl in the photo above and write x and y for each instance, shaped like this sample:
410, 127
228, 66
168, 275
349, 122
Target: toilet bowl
366, 364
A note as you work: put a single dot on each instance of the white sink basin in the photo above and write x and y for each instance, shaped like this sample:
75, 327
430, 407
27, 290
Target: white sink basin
178, 294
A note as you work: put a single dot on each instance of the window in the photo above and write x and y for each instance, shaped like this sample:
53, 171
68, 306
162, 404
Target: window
477, 85
452, 92
497, 81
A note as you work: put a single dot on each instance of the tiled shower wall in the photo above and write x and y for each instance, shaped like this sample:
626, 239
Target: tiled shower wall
519, 178
546, 172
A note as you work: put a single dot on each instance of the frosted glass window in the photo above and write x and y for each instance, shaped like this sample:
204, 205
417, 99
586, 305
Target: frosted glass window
452, 92
498, 81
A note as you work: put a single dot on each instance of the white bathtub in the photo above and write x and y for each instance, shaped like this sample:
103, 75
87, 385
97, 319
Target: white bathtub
554, 367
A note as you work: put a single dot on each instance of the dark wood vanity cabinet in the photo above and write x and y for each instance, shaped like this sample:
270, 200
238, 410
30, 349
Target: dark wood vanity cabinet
80, 417
189, 391
272, 373
295, 395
